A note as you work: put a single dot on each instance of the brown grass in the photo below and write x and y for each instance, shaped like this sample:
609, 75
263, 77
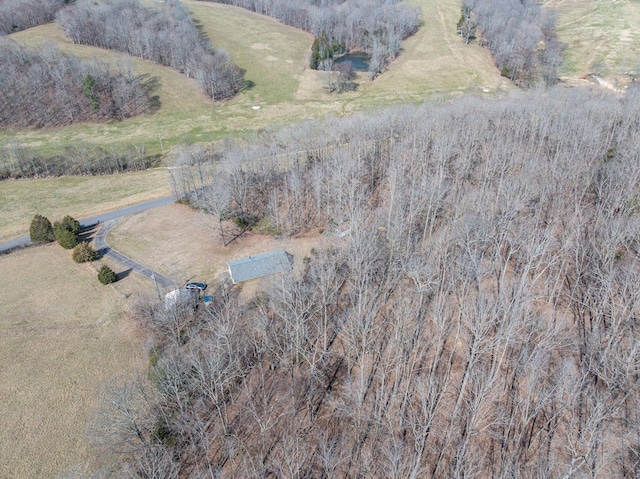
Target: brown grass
183, 244
62, 336
79, 196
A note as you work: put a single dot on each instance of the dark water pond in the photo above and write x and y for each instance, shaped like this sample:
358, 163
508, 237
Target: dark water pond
359, 60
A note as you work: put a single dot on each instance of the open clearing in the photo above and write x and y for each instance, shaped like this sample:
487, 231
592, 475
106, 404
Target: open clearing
275, 57
182, 243
62, 335
78, 196
603, 36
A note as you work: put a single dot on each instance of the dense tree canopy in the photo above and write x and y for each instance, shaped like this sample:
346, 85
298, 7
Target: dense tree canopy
480, 318
46, 87
163, 33
16, 15
521, 35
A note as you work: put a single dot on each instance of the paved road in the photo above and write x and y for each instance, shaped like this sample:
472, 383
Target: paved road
93, 220
103, 247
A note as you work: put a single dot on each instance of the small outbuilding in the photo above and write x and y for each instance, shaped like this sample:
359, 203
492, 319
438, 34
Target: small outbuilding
260, 265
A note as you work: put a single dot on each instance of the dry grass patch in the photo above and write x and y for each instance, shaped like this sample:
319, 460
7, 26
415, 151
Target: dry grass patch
436, 59
62, 336
183, 243
79, 196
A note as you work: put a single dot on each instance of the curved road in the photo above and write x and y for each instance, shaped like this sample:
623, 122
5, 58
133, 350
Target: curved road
103, 248
94, 220
108, 221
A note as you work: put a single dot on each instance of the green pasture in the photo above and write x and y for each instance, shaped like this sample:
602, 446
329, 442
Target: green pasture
602, 36
279, 82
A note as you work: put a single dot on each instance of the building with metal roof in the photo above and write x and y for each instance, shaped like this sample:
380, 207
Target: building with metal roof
260, 265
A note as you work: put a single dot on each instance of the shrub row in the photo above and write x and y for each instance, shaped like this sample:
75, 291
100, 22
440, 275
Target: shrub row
66, 232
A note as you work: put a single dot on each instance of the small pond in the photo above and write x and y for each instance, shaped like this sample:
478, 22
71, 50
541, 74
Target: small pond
359, 60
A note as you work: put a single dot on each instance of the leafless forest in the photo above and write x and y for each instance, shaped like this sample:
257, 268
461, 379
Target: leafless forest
16, 15
164, 33
374, 26
521, 35
479, 320
46, 87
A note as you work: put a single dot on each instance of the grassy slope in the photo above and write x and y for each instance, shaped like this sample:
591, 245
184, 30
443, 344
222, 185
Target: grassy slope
606, 31
62, 336
79, 196
274, 57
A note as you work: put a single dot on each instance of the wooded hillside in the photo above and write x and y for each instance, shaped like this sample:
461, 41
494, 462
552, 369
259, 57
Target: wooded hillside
16, 15
46, 87
164, 33
480, 319
373, 26
521, 35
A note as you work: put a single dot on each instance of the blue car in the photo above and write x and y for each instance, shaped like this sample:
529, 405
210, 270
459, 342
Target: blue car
198, 286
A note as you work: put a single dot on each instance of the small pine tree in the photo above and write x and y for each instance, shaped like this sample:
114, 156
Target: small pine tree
66, 232
71, 224
41, 230
84, 253
65, 238
106, 275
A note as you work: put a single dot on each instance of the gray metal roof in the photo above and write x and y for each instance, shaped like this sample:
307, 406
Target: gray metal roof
260, 265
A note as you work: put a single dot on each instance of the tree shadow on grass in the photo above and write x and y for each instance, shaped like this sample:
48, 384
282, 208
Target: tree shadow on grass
150, 84
123, 274
247, 85
101, 252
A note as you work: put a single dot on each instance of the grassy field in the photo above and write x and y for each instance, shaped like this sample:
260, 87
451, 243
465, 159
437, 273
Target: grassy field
435, 61
79, 196
62, 336
274, 56
603, 36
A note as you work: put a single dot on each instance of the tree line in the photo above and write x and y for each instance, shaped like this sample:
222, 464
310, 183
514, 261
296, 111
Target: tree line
163, 33
520, 34
45, 87
480, 318
16, 15
373, 26
18, 161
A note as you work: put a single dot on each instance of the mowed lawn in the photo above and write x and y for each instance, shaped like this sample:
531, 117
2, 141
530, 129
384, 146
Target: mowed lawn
63, 335
78, 196
601, 35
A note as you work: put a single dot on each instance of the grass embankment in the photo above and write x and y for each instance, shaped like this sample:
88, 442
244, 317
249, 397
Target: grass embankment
603, 36
79, 196
62, 336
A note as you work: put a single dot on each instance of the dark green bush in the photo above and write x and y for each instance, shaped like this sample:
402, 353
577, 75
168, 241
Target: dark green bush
71, 224
66, 232
41, 230
65, 238
106, 275
84, 253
